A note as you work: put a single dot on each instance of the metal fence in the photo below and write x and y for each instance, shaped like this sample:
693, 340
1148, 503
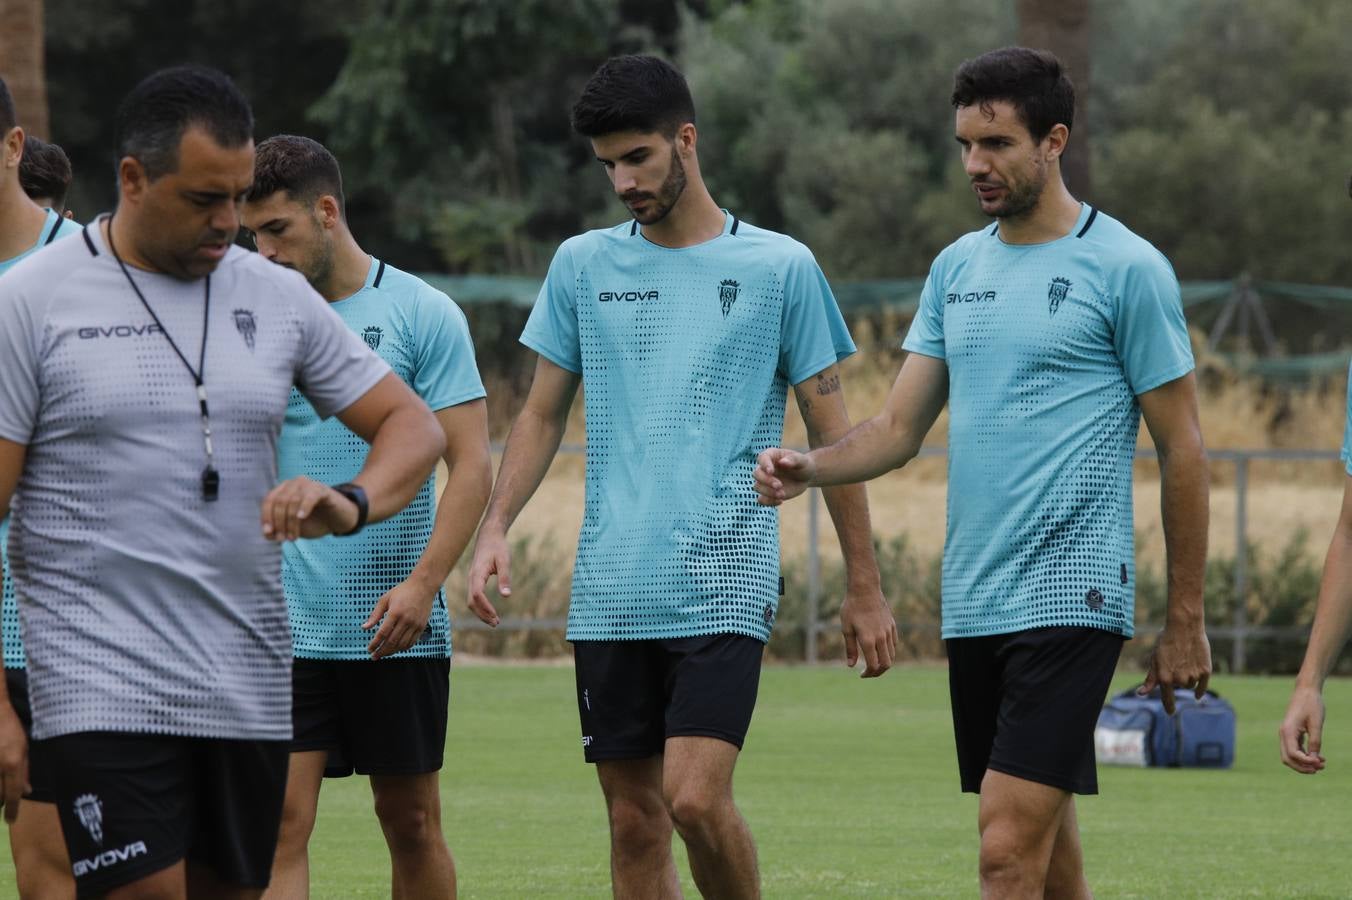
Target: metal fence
1237, 629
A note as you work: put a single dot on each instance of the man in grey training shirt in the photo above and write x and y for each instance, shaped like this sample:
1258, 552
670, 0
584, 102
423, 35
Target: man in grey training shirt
144, 373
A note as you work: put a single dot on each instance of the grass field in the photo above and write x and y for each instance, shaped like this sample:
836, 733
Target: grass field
851, 790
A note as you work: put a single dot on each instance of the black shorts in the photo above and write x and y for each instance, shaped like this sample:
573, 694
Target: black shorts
1026, 704
135, 804
633, 695
374, 717
16, 683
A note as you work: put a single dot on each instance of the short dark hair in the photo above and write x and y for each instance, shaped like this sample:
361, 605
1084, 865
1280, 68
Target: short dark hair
8, 117
1033, 81
152, 118
45, 171
301, 166
633, 93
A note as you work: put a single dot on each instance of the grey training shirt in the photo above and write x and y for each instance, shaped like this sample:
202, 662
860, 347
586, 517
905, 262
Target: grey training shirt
144, 607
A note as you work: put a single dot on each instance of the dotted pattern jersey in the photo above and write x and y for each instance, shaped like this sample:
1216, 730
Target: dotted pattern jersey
685, 356
55, 227
145, 607
1047, 348
333, 583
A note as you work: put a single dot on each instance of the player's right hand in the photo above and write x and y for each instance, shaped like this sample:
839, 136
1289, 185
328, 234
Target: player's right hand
304, 508
782, 475
491, 557
13, 761
1302, 731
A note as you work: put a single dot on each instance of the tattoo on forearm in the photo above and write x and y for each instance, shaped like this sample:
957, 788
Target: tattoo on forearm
805, 403
827, 385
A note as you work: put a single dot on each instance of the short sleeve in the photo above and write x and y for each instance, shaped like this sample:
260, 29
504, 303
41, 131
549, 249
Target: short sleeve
444, 373
1346, 455
335, 367
926, 334
812, 332
1150, 334
551, 330
19, 361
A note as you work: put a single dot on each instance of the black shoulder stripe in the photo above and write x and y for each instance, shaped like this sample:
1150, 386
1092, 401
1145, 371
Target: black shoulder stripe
994, 228
380, 273
735, 223
89, 242
633, 230
56, 229
1093, 214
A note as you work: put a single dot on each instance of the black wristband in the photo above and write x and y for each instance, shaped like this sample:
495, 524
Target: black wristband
357, 494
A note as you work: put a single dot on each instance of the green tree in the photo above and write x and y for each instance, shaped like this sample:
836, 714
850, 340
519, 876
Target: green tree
1225, 156
832, 122
283, 55
453, 115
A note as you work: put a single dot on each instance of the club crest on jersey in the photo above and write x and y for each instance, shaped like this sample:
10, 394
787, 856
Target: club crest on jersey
90, 812
1056, 292
246, 326
372, 335
727, 294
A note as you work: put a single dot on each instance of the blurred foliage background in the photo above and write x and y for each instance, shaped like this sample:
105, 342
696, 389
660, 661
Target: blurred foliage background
1220, 128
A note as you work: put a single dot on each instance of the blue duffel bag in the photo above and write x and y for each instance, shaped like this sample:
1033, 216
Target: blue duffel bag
1136, 731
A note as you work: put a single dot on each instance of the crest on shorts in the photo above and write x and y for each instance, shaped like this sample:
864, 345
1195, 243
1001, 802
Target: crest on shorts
1056, 292
372, 335
1094, 599
727, 294
246, 326
90, 810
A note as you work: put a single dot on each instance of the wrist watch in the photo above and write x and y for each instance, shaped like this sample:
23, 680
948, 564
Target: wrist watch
357, 494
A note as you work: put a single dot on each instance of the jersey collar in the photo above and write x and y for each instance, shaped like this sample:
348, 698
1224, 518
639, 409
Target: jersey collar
374, 274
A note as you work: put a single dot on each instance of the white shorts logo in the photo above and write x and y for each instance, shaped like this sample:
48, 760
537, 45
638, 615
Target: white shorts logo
586, 740
108, 858
90, 811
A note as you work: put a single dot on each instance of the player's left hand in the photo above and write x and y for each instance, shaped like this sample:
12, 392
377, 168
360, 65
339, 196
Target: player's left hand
1301, 734
304, 508
13, 762
870, 630
405, 610
1181, 658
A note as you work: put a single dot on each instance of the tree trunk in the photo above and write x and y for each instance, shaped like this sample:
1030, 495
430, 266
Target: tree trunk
21, 62
519, 256
1063, 27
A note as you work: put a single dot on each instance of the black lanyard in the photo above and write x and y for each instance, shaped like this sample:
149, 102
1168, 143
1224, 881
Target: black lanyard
211, 479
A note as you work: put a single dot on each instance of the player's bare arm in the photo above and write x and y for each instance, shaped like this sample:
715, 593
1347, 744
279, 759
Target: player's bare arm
1182, 655
885, 442
531, 446
469, 478
13, 743
405, 440
1302, 729
866, 620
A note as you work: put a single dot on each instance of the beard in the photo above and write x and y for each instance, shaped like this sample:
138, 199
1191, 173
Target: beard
1021, 198
317, 267
662, 202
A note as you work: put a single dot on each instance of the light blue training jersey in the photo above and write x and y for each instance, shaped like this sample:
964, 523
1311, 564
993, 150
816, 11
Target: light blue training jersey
55, 227
1346, 454
333, 583
685, 356
1047, 348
